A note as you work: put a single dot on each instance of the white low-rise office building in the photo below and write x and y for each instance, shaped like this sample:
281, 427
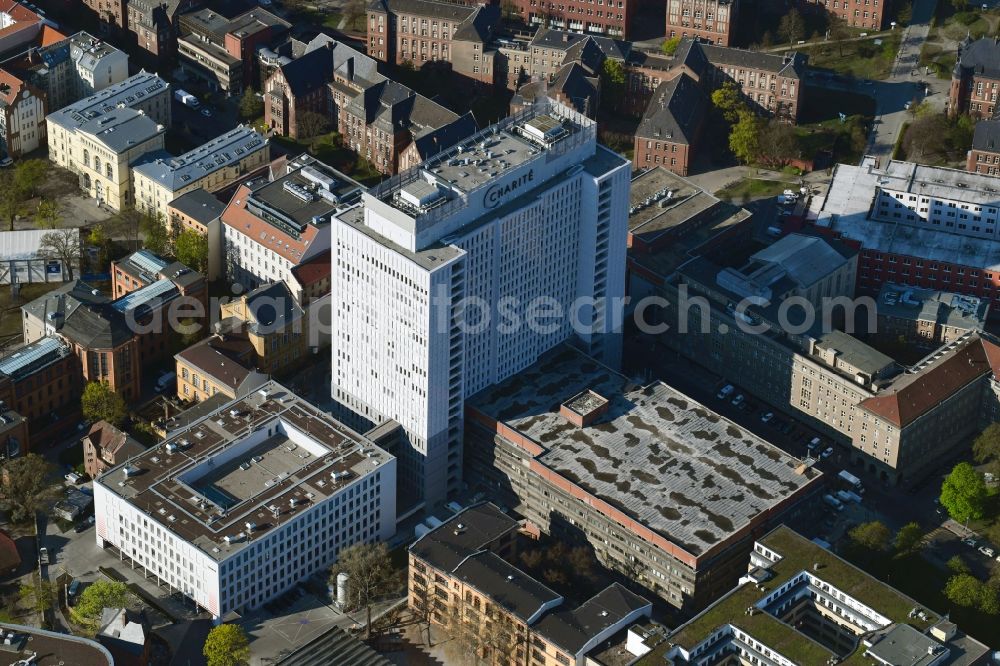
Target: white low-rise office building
437, 278
247, 501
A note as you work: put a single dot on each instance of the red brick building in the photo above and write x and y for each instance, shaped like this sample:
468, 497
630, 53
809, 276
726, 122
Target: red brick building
611, 18
154, 24
976, 78
105, 446
427, 33
112, 14
711, 20
985, 154
671, 127
869, 14
772, 83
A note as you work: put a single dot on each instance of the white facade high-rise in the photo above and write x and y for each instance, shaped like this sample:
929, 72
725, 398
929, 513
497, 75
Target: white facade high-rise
462, 271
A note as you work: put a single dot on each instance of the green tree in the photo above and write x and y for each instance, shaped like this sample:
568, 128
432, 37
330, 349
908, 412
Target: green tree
989, 598
156, 237
26, 486
744, 137
99, 595
191, 249
612, 83
963, 590
669, 47
986, 447
792, 27
227, 645
99, 403
98, 238
64, 245
12, 198
957, 565
874, 536
30, 174
908, 537
370, 572
728, 100
960, 5
251, 106
48, 216
963, 493
39, 594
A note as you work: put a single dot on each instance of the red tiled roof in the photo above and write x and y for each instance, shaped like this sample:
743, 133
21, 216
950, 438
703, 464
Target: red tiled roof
50, 35
314, 270
10, 87
913, 396
239, 218
23, 17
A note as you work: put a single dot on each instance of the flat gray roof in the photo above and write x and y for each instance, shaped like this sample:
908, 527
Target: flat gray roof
854, 352
663, 459
121, 129
180, 486
941, 307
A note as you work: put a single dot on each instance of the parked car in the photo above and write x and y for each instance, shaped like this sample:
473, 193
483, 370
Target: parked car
72, 591
43, 555
5, 161
827, 452
207, 112
970, 542
725, 391
987, 551
73, 478
766, 418
738, 400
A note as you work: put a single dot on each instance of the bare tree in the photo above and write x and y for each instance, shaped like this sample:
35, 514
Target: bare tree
489, 637
312, 124
63, 244
370, 575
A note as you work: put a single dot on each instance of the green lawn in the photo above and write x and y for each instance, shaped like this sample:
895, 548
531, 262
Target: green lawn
329, 150
752, 188
862, 59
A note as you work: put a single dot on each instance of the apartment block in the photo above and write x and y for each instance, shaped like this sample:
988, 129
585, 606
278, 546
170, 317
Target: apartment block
430, 33
105, 446
71, 69
272, 227
458, 575
41, 382
642, 508
670, 129
798, 603
111, 14
915, 225
712, 21
101, 136
222, 52
22, 115
208, 513
159, 178
435, 235
928, 318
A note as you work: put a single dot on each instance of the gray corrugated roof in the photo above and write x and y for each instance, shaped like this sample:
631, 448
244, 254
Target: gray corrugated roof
806, 259
676, 111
